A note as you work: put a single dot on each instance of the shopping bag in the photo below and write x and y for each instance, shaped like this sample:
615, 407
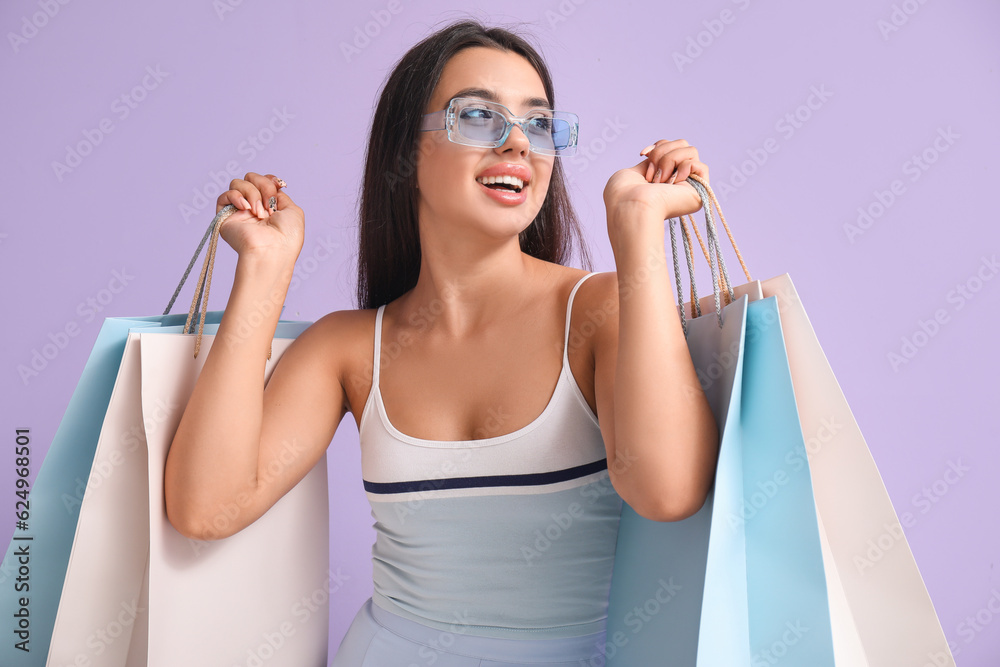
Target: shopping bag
756, 580
871, 560
786, 583
65, 475
103, 614
261, 593
106, 586
870, 570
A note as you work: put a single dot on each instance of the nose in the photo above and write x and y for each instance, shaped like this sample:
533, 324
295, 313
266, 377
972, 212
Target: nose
516, 141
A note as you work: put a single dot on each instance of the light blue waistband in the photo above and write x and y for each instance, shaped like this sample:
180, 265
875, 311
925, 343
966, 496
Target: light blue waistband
460, 640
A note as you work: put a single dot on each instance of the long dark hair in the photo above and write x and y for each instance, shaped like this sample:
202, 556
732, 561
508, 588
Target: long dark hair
388, 236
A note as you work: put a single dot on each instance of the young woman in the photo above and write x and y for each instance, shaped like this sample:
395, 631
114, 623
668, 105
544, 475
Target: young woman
506, 404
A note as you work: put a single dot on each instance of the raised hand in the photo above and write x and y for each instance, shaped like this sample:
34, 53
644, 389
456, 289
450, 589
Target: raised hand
659, 182
256, 231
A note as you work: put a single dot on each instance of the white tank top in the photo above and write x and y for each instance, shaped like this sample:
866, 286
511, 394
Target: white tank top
512, 536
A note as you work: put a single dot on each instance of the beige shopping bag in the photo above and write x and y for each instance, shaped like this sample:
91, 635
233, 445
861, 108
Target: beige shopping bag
137, 592
257, 597
886, 597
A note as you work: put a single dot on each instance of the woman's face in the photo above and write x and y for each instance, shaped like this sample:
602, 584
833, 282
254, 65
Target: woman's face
449, 193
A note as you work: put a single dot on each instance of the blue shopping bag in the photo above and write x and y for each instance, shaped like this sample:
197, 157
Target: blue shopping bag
789, 608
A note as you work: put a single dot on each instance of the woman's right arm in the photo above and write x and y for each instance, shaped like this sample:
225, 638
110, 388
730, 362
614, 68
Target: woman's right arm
241, 445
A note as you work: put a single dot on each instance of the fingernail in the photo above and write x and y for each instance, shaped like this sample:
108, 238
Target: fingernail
656, 176
273, 204
259, 209
647, 149
281, 183
673, 178
246, 204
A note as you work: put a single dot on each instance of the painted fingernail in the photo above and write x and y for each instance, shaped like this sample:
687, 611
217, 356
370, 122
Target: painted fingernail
245, 205
647, 149
273, 204
673, 178
259, 209
656, 176
282, 184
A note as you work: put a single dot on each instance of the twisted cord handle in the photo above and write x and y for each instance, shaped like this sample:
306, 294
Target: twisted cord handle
205, 279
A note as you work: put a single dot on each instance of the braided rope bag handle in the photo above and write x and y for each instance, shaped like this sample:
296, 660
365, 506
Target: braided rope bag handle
713, 254
204, 283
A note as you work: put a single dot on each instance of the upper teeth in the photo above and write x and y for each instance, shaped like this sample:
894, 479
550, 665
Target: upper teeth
510, 180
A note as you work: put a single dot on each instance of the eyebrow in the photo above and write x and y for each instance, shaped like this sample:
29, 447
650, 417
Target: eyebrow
486, 94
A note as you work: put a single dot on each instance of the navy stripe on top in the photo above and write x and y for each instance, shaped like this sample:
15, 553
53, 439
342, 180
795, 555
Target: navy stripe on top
529, 479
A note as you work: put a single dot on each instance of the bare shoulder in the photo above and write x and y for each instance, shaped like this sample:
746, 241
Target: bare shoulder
599, 293
333, 342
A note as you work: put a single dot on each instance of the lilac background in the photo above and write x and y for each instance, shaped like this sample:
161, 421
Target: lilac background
889, 93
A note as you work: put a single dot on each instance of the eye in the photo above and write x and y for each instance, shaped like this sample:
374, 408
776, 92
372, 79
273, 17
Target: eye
541, 124
478, 114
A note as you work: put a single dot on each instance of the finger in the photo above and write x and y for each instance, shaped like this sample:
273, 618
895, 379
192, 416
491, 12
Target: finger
237, 195
668, 162
676, 157
266, 188
681, 171
691, 166
664, 146
700, 168
278, 183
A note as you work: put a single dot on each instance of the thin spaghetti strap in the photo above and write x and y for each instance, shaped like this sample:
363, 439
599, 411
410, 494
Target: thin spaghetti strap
378, 345
569, 313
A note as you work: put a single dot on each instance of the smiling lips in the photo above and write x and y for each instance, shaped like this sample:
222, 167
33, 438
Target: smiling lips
505, 177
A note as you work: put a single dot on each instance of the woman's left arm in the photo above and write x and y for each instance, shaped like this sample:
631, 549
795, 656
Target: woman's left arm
660, 434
